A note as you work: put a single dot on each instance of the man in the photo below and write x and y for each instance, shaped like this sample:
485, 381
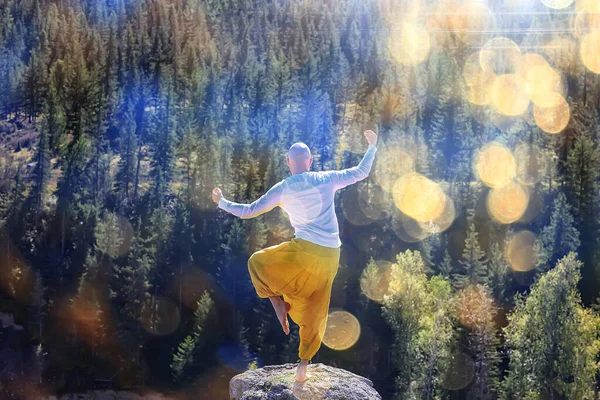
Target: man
302, 270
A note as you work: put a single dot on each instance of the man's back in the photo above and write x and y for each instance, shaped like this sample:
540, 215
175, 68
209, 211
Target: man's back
307, 198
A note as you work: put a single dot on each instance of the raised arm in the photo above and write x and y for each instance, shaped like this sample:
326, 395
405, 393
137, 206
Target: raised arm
345, 177
265, 203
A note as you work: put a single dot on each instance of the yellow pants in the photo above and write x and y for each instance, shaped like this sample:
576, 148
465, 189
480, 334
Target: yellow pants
302, 272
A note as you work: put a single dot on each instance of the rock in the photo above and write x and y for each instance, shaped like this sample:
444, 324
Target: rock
278, 382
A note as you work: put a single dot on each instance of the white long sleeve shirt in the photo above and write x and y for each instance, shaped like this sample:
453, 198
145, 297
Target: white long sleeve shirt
307, 198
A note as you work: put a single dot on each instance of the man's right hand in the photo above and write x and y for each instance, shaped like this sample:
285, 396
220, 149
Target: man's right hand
216, 195
371, 137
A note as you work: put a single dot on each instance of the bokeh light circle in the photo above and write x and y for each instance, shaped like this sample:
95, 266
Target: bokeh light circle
590, 55
374, 283
553, 119
479, 94
419, 197
459, 373
413, 46
557, 4
508, 203
160, 315
342, 332
529, 61
520, 251
392, 163
509, 94
500, 56
542, 82
443, 221
473, 74
469, 19
495, 165
560, 51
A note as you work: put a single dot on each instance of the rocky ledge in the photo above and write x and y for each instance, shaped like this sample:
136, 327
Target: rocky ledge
277, 382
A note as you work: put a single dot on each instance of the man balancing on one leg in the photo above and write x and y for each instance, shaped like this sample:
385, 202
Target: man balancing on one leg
302, 270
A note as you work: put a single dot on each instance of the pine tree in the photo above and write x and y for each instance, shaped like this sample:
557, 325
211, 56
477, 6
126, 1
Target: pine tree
582, 169
498, 274
474, 262
552, 339
476, 311
128, 153
446, 267
418, 310
183, 359
559, 237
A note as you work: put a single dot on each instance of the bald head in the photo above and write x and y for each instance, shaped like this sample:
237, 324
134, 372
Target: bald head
299, 158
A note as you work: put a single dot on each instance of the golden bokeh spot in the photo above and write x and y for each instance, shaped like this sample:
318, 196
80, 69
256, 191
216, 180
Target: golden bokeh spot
473, 74
528, 61
414, 229
86, 315
373, 201
414, 44
398, 222
508, 203
475, 307
557, 4
469, 19
375, 280
591, 6
543, 85
391, 164
553, 119
342, 332
495, 165
419, 197
560, 51
459, 373
589, 51
586, 21
531, 164
160, 315
351, 209
443, 221
509, 94
500, 56
479, 95
520, 251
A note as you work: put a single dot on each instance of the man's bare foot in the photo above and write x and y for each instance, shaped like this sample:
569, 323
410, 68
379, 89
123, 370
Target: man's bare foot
281, 309
301, 375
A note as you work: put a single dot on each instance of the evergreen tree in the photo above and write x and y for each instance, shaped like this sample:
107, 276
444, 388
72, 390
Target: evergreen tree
498, 274
552, 339
476, 311
418, 310
183, 358
559, 237
474, 262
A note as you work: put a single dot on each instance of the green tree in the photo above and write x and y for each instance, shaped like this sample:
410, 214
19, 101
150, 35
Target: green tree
189, 348
559, 237
476, 312
419, 311
474, 261
552, 339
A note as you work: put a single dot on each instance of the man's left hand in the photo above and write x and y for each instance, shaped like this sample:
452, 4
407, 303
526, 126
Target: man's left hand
217, 195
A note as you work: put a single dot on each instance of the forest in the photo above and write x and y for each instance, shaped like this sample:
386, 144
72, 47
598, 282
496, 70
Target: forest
470, 261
